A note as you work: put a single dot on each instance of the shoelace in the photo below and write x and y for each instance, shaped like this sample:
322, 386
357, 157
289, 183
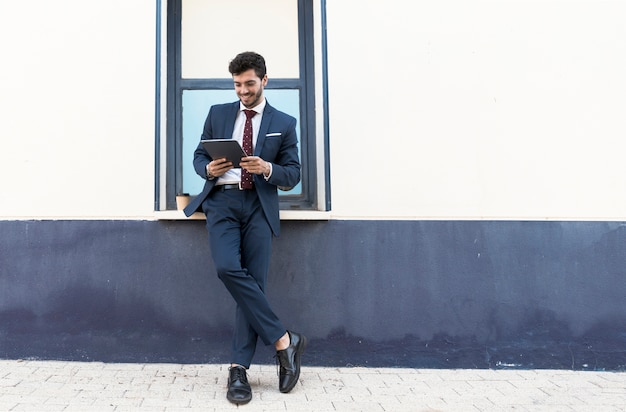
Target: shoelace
278, 364
239, 374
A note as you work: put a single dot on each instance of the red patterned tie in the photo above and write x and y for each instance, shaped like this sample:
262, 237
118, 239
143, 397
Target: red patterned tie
246, 177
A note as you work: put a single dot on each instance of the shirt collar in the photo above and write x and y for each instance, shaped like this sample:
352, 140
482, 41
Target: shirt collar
258, 108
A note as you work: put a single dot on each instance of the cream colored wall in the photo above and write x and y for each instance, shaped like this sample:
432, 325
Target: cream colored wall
477, 109
462, 109
77, 108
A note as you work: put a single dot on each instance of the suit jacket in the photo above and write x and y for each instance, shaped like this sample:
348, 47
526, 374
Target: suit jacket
276, 143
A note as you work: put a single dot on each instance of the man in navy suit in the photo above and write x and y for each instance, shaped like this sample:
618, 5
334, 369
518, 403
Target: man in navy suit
242, 217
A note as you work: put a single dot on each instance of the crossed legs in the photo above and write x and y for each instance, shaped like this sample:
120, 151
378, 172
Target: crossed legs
241, 242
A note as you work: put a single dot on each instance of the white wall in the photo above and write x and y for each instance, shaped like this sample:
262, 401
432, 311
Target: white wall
460, 109
505, 109
77, 108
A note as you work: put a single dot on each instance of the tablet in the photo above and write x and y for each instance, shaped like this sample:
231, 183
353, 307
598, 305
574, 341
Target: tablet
228, 148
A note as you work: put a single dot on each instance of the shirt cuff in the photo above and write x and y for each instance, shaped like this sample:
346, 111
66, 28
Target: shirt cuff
270, 173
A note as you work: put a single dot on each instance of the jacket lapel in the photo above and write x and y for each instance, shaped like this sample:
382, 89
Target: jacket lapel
232, 113
268, 112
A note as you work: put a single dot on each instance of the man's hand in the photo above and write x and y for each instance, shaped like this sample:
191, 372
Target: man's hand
218, 167
255, 165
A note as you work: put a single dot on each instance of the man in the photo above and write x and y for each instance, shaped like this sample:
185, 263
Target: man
242, 213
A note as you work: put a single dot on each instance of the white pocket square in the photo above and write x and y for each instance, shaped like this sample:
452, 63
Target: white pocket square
272, 134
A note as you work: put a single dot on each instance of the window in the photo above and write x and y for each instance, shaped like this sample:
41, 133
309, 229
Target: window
202, 38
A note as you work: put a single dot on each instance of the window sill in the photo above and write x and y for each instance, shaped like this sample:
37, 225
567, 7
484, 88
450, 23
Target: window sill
284, 215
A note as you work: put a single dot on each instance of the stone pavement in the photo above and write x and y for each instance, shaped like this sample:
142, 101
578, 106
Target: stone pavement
82, 386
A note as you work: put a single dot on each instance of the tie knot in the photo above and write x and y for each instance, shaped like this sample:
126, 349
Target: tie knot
249, 113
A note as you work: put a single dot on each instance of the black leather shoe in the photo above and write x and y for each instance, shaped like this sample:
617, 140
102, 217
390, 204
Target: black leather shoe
239, 390
289, 362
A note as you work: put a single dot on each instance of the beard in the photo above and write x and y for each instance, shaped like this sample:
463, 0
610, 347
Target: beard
251, 100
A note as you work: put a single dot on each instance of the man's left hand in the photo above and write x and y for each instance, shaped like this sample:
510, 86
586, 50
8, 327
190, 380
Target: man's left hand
255, 165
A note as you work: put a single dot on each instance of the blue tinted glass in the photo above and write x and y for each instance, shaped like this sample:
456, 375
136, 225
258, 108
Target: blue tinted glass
196, 104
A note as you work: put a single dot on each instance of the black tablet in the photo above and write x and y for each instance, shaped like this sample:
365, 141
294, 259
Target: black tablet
228, 148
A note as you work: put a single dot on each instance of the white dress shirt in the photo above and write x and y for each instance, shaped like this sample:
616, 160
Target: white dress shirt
233, 176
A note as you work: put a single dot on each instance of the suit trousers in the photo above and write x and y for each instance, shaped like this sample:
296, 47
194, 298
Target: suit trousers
240, 239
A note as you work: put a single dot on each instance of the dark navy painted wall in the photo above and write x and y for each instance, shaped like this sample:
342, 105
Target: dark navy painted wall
405, 293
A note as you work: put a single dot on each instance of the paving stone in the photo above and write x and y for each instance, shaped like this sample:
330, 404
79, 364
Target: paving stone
47, 386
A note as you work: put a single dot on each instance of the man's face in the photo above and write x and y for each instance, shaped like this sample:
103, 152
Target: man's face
249, 87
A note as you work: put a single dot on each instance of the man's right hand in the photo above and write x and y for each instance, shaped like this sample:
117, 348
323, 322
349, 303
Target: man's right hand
218, 167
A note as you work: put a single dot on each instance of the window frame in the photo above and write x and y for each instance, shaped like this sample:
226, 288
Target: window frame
305, 84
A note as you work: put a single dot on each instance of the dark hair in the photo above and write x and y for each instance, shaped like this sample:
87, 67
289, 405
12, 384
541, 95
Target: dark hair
246, 61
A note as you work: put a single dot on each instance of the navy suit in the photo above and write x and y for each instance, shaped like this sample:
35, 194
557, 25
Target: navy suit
280, 149
241, 222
